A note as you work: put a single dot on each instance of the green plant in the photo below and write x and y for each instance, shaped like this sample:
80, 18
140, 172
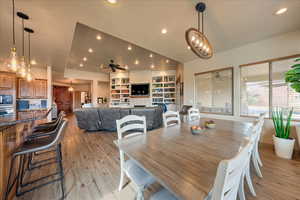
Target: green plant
293, 76
282, 125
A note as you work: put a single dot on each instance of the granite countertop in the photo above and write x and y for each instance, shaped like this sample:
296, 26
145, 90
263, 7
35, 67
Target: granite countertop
9, 120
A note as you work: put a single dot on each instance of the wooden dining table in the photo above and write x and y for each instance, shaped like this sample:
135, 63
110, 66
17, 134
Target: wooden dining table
183, 163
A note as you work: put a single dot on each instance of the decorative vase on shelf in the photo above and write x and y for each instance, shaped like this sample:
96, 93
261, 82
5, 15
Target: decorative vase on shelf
284, 145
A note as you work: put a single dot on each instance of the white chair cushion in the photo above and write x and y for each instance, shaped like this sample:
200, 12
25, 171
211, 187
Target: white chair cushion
163, 195
139, 176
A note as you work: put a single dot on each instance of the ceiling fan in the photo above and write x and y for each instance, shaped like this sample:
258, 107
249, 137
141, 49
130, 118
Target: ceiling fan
115, 67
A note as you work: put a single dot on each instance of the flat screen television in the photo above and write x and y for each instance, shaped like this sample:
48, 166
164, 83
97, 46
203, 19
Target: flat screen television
140, 89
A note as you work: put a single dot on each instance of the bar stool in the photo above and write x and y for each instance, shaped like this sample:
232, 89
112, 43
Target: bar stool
46, 130
48, 125
28, 148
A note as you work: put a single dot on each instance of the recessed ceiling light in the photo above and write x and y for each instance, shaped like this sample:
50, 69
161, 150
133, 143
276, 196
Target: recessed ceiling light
151, 55
152, 66
129, 48
189, 48
136, 62
98, 37
126, 67
167, 61
90, 50
84, 59
281, 11
164, 31
80, 65
33, 62
112, 1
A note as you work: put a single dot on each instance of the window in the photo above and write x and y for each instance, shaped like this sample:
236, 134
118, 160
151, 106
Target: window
283, 95
263, 88
214, 91
254, 89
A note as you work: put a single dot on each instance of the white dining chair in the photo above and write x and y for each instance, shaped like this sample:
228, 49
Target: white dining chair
261, 120
133, 125
171, 118
227, 185
253, 135
193, 114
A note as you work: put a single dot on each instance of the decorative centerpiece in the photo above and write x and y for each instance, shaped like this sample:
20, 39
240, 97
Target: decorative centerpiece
284, 145
196, 130
210, 124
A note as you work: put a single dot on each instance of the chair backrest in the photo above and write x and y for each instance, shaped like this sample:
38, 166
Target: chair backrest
171, 118
131, 123
260, 123
229, 174
193, 114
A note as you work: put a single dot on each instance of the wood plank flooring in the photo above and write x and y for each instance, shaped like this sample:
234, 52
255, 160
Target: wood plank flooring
91, 164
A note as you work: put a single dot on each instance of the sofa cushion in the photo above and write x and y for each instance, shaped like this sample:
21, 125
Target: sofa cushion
88, 119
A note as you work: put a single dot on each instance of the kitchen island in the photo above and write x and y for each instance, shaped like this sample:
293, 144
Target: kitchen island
13, 130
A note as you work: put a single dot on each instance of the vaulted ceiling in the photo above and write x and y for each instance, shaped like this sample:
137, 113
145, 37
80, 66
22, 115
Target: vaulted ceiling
228, 24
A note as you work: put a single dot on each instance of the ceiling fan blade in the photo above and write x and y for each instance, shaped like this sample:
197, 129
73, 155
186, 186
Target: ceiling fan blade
120, 68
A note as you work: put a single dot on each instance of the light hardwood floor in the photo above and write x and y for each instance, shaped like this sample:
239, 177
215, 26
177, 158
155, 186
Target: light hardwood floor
91, 163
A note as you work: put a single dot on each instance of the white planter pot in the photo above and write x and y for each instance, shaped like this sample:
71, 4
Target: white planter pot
298, 134
284, 147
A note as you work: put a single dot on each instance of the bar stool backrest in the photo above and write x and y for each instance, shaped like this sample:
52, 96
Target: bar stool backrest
57, 138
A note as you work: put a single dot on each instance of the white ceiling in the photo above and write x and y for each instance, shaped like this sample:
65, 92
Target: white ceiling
228, 24
110, 47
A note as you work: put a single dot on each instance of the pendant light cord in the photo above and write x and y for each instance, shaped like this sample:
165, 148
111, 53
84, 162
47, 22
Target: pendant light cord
201, 25
14, 39
29, 49
23, 46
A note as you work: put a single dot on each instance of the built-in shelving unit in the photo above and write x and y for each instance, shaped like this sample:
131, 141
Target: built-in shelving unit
163, 89
119, 91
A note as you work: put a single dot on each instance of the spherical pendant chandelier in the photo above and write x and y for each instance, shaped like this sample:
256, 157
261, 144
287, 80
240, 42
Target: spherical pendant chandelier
196, 39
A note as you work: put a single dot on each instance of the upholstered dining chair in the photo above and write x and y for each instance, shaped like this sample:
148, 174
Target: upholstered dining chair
171, 118
133, 125
193, 114
227, 184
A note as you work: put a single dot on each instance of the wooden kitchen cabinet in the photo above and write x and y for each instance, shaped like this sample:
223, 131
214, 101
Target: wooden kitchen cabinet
40, 89
7, 80
39, 113
36, 89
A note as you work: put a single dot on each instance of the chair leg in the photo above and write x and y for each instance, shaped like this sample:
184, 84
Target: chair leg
241, 192
249, 181
8, 186
140, 195
61, 170
258, 156
256, 166
121, 180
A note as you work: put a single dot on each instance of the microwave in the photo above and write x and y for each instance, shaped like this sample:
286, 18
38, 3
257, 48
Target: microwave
6, 99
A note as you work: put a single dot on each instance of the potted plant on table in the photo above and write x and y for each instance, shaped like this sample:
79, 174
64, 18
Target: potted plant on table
293, 77
284, 145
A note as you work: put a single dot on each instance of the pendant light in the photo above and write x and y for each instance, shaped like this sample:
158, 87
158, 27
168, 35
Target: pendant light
71, 89
196, 39
22, 68
29, 75
13, 59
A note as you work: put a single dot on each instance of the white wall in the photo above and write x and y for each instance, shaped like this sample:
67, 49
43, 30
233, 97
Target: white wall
274, 47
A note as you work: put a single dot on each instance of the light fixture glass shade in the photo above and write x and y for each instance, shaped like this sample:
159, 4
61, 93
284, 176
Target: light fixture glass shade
71, 89
198, 43
22, 69
28, 75
13, 60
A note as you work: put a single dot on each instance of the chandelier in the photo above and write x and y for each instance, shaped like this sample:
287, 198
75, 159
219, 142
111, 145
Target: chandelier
196, 39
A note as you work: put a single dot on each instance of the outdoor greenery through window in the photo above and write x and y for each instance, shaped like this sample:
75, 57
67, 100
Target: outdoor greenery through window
214, 91
263, 88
